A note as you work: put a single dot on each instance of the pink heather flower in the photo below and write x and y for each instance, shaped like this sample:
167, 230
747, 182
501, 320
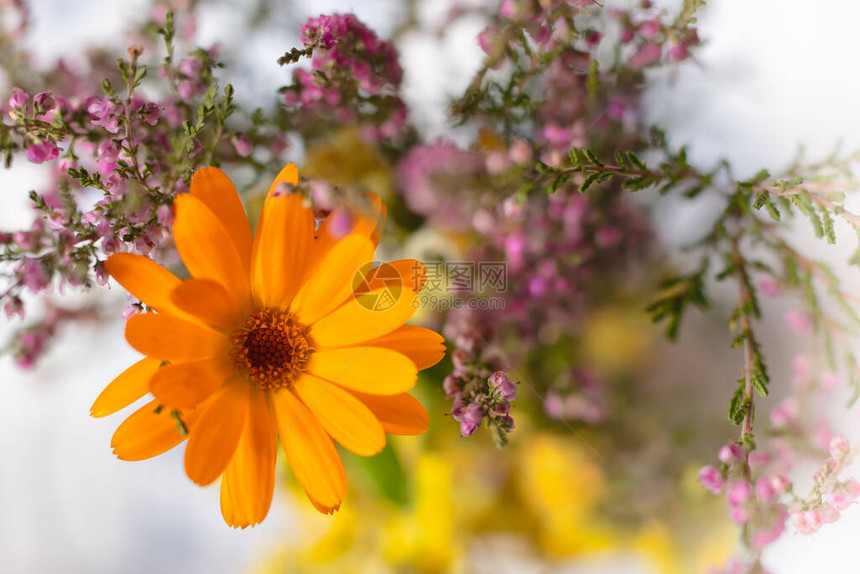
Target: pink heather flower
467, 428
151, 113
839, 446
185, 89
190, 67
814, 518
780, 484
627, 36
108, 151
768, 286
105, 114
800, 323
799, 521
581, 3
43, 102
33, 275
738, 515
711, 479
732, 454
130, 311
830, 514
678, 52
42, 152
164, 215
18, 99
340, 225
844, 494
650, 29
474, 413
242, 145
556, 135
592, 38
764, 489
102, 276
503, 385
737, 493
520, 151
451, 386
12, 307
645, 56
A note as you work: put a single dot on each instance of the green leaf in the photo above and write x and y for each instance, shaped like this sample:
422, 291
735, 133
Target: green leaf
589, 181
634, 159
738, 405
591, 157
386, 473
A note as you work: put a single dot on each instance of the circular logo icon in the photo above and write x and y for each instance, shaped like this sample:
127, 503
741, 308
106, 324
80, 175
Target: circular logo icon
378, 286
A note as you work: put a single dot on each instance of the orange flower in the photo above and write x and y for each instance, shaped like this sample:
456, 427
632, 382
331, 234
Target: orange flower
268, 340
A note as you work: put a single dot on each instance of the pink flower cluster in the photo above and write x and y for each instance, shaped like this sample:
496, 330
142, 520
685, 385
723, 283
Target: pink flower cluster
754, 503
829, 495
351, 70
480, 389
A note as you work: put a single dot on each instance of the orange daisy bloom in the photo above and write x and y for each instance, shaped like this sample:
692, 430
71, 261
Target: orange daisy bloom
268, 340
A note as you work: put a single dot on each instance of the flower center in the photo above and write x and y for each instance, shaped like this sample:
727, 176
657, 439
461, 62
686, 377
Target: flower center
271, 349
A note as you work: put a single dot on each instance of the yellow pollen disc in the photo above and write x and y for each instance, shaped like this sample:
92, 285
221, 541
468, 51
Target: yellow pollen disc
271, 349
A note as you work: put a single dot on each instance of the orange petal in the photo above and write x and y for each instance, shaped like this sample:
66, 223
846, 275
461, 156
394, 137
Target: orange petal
367, 369
172, 339
342, 416
365, 318
310, 452
208, 301
367, 219
332, 281
208, 250
249, 480
289, 174
184, 385
281, 249
399, 414
214, 188
423, 346
146, 433
215, 436
128, 387
145, 279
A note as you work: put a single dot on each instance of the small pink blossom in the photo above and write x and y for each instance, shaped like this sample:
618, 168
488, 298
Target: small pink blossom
650, 28
732, 454
711, 479
737, 493
839, 446
42, 152
800, 323
764, 489
242, 145
18, 99
645, 56
768, 286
